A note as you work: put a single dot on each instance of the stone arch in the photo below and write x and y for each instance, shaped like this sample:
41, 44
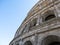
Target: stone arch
33, 22
28, 43
48, 15
51, 40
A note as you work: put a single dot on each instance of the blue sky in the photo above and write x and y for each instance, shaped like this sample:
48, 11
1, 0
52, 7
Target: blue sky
12, 13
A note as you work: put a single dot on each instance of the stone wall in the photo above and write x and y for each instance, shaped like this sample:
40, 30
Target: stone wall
35, 29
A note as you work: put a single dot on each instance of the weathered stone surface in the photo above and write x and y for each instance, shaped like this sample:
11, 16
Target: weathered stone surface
41, 26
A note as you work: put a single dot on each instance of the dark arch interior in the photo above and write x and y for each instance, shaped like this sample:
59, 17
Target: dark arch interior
28, 43
33, 23
17, 44
55, 43
49, 17
51, 40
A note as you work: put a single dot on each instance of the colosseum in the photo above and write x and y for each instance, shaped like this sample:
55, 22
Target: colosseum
41, 26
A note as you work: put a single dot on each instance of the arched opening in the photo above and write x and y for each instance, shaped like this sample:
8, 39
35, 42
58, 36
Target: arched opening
55, 43
33, 23
11, 44
17, 44
51, 40
28, 43
49, 17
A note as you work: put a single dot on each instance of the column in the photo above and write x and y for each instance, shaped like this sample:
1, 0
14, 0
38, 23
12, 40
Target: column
21, 42
14, 43
36, 39
28, 26
38, 20
56, 9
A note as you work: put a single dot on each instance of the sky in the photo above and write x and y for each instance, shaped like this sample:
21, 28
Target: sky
12, 13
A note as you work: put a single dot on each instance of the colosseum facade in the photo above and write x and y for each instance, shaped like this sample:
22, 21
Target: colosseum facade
41, 26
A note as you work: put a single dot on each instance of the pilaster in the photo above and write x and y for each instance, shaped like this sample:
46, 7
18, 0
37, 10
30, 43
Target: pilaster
36, 39
38, 20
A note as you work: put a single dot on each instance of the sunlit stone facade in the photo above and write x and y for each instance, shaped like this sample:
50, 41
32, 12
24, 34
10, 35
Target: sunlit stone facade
41, 26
